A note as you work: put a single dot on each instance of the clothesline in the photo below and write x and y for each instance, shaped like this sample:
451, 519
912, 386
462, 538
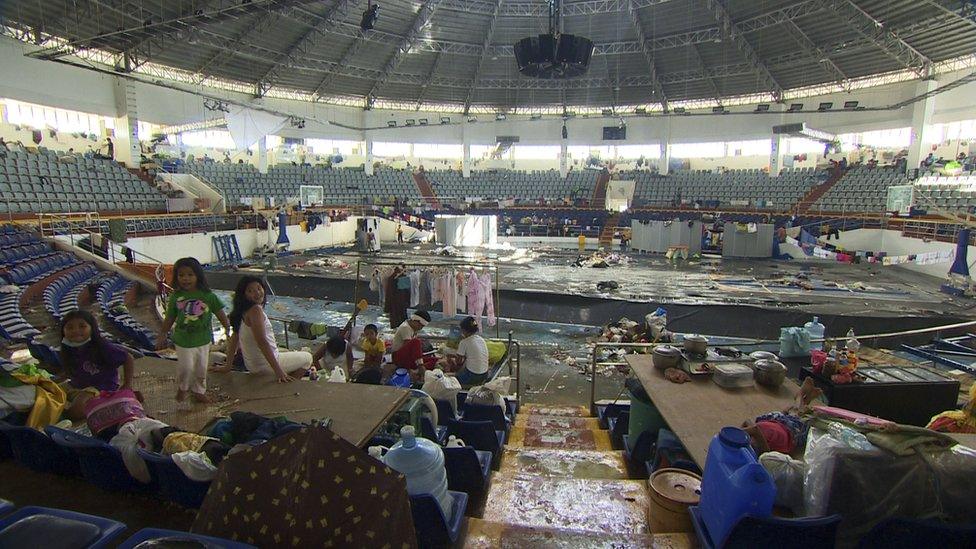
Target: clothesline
457, 285
812, 247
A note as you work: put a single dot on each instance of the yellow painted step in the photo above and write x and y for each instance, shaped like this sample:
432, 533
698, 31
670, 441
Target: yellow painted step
618, 506
483, 534
539, 421
569, 439
541, 409
565, 463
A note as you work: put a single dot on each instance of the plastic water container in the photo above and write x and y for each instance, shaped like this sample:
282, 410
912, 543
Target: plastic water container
735, 484
816, 331
422, 462
400, 378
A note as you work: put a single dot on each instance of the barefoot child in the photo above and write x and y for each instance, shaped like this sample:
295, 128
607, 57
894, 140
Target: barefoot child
90, 362
189, 313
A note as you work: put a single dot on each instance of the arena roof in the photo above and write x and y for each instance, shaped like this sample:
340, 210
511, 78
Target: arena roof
460, 52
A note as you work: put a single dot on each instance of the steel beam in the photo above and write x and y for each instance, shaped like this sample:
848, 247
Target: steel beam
711, 81
659, 94
430, 74
168, 27
868, 27
731, 31
486, 44
801, 38
420, 21
302, 45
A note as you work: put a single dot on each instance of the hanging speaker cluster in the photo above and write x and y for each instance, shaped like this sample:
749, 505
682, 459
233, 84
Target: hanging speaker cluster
556, 54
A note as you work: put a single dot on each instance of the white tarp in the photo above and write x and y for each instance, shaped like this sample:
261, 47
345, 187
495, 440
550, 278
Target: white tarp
248, 126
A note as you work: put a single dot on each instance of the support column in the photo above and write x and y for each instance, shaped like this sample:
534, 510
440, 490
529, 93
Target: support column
368, 167
126, 138
263, 154
776, 151
665, 160
466, 159
563, 159
921, 120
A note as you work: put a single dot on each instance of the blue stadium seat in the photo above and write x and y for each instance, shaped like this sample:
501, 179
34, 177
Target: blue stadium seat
101, 463
172, 483
57, 528
432, 527
35, 450
157, 537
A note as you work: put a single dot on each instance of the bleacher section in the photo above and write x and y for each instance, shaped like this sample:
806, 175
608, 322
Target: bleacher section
111, 298
41, 183
956, 195
523, 186
860, 190
283, 182
734, 188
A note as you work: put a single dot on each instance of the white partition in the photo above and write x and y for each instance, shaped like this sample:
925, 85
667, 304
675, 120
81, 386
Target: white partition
743, 243
658, 236
466, 230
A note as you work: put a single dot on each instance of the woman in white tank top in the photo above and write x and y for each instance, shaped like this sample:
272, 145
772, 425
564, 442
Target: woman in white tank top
254, 335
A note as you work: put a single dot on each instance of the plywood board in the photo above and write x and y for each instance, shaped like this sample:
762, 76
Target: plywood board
697, 410
357, 410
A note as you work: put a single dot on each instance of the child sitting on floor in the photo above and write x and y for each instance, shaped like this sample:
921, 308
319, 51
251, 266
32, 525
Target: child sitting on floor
373, 346
91, 363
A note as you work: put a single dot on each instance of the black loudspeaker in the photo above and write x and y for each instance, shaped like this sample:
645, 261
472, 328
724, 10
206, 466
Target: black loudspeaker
543, 56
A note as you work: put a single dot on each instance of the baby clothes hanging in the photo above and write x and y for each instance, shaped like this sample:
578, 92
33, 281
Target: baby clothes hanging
448, 294
425, 290
479, 297
414, 288
462, 292
377, 284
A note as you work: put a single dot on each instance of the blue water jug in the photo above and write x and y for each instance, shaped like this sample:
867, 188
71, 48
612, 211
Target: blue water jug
735, 484
400, 378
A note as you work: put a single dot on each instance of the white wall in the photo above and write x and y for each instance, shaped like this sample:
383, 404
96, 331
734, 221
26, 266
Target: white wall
167, 249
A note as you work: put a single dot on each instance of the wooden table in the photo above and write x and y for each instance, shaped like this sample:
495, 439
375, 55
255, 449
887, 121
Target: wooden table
357, 410
696, 411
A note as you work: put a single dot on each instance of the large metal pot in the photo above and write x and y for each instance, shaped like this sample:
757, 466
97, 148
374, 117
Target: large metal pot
770, 373
696, 344
666, 356
763, 355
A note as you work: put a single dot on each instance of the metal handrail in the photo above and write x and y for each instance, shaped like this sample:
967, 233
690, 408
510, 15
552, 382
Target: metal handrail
594, 363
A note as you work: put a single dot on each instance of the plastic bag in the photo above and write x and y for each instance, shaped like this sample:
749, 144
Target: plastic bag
441, 387
338, 375
195, 465
788, 474
491, 393
657, 322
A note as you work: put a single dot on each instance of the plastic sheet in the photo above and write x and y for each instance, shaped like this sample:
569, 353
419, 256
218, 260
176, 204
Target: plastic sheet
867, 487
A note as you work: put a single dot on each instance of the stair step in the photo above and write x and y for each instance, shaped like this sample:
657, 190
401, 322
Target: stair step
568, 439
484, 534
565, 463
587, 505
543, 410
540, 421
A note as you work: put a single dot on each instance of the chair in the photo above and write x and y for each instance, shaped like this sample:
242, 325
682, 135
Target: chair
173, 484
101, 463
432, 527
468, 470
435, 433
605, 412
751, 532
619, 426
5, 507
36, 451
445, 411
153, 537
481, 435
57, 529
487, 412
903, 533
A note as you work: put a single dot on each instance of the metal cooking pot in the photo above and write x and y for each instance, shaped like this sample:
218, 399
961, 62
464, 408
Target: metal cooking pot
666, 356
763, 355
770, 373
697, 344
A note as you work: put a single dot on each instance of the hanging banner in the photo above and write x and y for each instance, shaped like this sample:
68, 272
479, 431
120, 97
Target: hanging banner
248, 126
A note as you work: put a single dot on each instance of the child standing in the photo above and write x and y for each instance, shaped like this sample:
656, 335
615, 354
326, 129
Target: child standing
90, 362
189, 313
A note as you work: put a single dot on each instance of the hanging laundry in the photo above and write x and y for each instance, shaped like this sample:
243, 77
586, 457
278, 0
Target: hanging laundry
425, 300
462, 292
414, 278
479, 297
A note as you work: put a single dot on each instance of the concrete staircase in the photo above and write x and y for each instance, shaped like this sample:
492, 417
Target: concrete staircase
606, 235
808, 200
426, 189
599, 199
561, 485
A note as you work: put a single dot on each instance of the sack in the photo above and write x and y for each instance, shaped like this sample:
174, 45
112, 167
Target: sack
109, 409
491, 393
441, 387
794, 342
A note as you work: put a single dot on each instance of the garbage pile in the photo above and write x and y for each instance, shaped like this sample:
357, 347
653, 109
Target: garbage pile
601, 260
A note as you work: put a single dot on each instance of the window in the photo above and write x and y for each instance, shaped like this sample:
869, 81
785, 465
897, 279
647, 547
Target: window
698, 150
962, 129
211, 139
390, 149
533, 152
438, 150
40, 117
756, 147
331, 146
633, 152
888, 139
800, 145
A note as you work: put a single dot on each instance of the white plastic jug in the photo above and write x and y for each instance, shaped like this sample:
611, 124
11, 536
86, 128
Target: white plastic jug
817, 331
338, 375
422, 462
